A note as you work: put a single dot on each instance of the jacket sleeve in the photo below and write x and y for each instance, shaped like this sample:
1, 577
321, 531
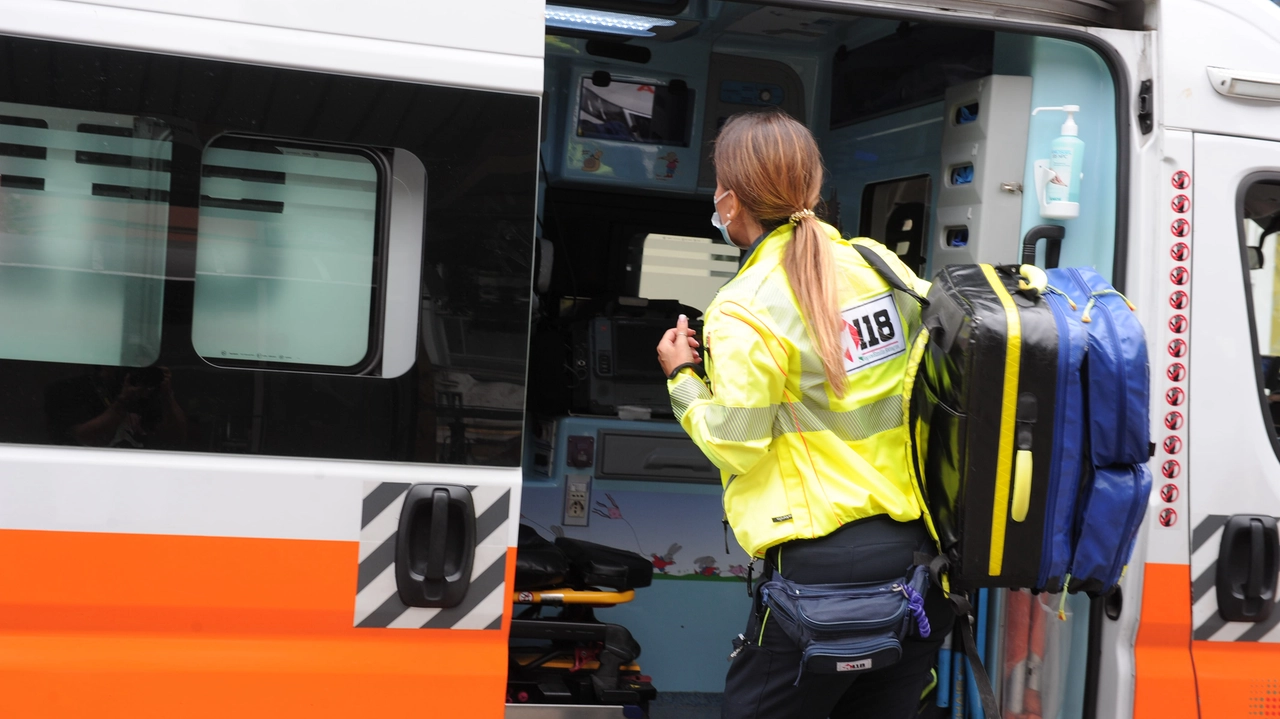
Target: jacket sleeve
734, 425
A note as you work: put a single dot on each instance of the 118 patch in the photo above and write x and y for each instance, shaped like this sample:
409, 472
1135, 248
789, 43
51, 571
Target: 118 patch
872, 333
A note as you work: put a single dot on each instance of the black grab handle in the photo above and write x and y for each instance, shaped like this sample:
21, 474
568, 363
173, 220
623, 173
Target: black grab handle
1248, 564
1052, 251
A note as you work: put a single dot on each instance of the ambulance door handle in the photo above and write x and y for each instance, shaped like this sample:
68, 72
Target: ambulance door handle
435, 546
1248, 564
438, 534
1254, 587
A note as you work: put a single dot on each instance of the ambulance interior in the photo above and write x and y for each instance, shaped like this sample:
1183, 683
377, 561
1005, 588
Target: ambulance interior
930, 147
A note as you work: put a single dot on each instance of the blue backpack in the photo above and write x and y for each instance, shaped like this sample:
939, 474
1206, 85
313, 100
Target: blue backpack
1115, 481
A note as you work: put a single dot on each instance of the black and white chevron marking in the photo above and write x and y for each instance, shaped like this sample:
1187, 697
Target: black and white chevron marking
1208, 624
378, 604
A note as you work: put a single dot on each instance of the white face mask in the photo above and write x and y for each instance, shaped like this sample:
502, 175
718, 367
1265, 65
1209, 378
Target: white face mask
715, 220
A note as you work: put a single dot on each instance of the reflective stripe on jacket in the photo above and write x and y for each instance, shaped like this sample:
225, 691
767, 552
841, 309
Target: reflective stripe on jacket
796, 461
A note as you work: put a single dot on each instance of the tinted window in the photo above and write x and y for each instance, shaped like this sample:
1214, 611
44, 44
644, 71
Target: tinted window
83, 222
285, 254
1259, 221
181, 241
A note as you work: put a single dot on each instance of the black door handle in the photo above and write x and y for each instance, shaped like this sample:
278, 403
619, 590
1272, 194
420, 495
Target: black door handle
435, 546
1248, 563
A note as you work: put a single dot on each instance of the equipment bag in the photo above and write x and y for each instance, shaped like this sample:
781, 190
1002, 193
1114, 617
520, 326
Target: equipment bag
1119, 381
997, 413
978, 378
1111, 510
1117, 483
848, 628
1067, 460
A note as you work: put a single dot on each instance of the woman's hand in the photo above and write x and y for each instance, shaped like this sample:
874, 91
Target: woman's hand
678, 346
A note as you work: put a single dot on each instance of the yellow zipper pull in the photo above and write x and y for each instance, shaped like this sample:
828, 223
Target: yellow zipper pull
1056, 291
1087, 307
1131, 306
1062, 601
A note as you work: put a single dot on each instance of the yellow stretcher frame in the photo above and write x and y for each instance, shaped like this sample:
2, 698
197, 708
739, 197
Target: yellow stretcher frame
561, 597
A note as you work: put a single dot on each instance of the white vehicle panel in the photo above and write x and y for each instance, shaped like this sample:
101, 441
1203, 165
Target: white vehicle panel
1232, 461
508, 27
91, 490
1241, 35
484, 44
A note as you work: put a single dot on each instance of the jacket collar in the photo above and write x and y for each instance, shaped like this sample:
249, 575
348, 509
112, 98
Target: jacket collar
769, 247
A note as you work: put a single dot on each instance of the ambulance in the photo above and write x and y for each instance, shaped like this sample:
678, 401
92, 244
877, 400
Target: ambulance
309, 309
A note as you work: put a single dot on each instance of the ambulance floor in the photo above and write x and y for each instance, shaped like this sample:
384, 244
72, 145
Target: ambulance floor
685, 705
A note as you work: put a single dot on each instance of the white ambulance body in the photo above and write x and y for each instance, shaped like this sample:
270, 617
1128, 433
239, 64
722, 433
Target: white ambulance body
272, 380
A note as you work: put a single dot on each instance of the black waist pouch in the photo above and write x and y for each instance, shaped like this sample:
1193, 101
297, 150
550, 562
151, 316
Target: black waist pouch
842, 628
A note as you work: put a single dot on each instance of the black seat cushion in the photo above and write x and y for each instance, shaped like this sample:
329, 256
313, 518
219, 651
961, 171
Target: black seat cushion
595, 565
539, 563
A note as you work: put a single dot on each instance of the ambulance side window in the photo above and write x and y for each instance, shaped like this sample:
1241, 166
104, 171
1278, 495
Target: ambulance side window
233, 258
1259, 223
286, 255
84, 211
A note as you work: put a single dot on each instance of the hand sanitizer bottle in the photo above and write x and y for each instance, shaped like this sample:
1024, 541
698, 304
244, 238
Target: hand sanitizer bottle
1066, 157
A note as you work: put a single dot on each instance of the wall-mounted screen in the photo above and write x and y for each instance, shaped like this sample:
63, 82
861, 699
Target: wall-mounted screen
635, 112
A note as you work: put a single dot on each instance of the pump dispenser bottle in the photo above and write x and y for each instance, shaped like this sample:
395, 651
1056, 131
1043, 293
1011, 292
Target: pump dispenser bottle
1066, 157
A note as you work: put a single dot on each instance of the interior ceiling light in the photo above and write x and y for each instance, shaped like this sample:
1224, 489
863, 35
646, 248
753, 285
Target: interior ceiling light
614, 23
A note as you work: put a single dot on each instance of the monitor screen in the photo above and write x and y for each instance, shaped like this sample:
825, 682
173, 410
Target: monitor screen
634, 112
634, 343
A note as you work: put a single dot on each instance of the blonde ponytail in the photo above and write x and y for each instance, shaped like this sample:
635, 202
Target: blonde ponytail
772, 163
810, 268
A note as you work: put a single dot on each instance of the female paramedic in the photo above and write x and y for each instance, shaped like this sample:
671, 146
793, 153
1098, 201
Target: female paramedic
799, 403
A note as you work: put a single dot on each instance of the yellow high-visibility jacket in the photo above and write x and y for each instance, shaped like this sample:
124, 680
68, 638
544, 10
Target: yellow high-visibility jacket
796, 461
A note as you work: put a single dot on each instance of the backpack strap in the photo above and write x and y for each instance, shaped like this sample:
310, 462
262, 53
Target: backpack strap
988, 696
886, 273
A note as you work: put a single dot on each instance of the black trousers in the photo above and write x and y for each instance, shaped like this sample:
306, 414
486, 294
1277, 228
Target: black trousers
762, 676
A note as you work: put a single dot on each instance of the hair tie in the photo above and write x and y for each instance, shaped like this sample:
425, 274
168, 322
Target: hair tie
797, 216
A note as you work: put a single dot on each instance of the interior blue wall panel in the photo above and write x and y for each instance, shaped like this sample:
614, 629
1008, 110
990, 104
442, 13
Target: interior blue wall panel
1070, 74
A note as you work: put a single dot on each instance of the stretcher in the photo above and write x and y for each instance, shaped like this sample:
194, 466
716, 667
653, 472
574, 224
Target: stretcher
560, 653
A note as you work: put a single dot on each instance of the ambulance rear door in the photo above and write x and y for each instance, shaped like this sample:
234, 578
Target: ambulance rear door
1226, 456
1213, 351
